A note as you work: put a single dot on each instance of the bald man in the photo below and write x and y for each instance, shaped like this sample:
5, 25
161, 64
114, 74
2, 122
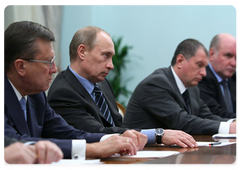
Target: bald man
218, 88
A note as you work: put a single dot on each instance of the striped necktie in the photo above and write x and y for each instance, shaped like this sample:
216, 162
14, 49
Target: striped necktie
102, 104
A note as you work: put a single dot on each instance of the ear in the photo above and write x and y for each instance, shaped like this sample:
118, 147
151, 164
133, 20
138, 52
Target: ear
180, 60
20, 66
211, 54
82, 50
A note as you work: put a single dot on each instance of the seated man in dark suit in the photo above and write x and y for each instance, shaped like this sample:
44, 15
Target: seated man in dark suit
221, 68
74, 96
29, 64
43, 152
170, 98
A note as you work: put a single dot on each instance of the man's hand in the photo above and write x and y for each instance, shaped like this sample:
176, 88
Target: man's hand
233, 128
110, 146
179, 138
44, 152
138, 138
18, 153
47, 152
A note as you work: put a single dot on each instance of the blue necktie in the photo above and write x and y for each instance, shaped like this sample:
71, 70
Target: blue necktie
102, 104
227, 96
186, 100
23, 105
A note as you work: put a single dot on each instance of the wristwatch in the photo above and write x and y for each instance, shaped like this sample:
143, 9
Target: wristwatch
159, 132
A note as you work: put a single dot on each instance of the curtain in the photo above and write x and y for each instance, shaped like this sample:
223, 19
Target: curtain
53, 21
49, 16
46, 15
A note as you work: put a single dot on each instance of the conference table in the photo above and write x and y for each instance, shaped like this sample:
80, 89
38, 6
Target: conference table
201, 155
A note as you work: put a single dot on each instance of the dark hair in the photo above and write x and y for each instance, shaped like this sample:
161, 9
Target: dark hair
20, 38
188, 49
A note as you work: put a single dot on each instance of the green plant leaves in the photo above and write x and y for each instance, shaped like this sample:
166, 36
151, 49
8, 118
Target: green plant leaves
119, 61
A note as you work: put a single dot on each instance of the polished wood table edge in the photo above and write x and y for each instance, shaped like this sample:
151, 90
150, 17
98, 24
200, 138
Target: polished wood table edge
200, 155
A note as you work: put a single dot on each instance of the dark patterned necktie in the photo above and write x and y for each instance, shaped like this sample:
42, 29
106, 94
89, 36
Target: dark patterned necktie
102, 104
186, 100
227, 96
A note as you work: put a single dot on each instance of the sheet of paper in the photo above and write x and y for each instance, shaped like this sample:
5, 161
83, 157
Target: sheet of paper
149, 154
224, 135
77, 162
218, 145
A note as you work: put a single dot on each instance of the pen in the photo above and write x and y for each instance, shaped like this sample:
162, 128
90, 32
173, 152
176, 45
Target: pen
216, 143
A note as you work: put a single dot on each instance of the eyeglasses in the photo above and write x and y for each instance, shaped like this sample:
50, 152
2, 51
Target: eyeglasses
40, 61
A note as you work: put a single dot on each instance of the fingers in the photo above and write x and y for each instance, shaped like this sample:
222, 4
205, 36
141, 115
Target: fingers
138, 138
130, 134
178, 137
53, 153
48, 152
40, 149
142, 139
187, 141
129, 146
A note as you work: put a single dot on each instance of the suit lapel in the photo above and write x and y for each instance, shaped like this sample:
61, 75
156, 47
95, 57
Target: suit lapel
232, 88
176, 90
216, 84
14, 110
79, 88
32, 119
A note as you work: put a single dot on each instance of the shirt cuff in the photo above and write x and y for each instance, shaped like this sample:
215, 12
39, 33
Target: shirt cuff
225, 127
30, 143
150, 134
78, 149
107, 136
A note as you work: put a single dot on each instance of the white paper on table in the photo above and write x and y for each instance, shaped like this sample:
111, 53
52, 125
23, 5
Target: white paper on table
207, 144
148, 154
77, 162
224, 135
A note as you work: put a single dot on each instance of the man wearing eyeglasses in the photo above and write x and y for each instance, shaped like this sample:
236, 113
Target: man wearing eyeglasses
29, 65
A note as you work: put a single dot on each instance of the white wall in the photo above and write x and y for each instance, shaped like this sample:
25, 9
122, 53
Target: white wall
153, 31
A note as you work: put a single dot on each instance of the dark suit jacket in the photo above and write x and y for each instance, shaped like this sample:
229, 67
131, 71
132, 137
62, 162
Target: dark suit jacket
70, 99
8, 141
157, 102
42, 123
211, 94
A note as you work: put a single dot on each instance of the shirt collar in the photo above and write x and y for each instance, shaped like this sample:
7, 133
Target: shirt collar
89, 86
19, 96
180, 85
219, 79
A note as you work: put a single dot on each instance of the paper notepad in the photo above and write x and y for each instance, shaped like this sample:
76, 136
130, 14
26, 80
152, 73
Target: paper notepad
148, 154
218, 145
224, 135
77, 162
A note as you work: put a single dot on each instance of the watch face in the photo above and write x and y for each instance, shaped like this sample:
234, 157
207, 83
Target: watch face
159, 131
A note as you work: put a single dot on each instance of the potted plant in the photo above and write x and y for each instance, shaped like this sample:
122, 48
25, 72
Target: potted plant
115, 76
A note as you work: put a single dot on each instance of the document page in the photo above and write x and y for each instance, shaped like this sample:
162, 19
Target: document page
214, 144
77, 162
224, 135
149, 154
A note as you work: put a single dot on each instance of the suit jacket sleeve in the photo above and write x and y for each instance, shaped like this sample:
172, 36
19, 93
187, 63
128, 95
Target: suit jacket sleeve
8, 141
